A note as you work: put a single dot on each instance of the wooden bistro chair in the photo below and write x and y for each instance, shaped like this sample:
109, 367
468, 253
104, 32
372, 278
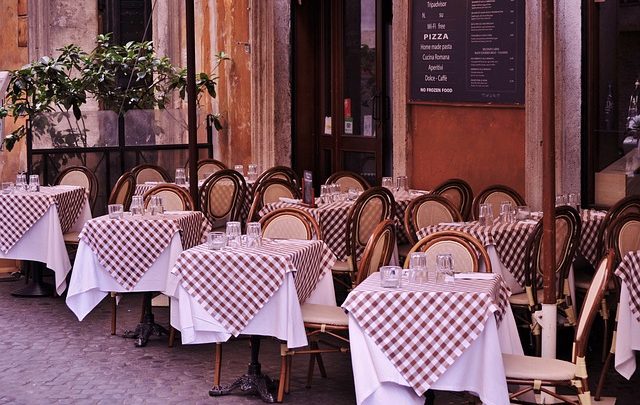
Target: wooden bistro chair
207, 167
537, 374
568, 227
623, 237
278, 172
331, 320
290, 223
348, 180
584, 273
222, 196
269, 191
495, 195
465, 250
174, 198
145, 173
459, 193
82, 177
123, 190
424, 211
373, 206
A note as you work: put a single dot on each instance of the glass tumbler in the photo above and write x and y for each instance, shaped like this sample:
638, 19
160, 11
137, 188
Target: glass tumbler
252, 172
387, 182
116, 211
325, 194
137, 205
506, 212
254, 234
390, 276
181, 178
7, 188
239, 169
523, 212
34, 182
485, 217
401, 184
216, 240
234, 234
444, 268
21, 182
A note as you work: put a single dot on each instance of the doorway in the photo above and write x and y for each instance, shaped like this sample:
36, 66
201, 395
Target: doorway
341, 108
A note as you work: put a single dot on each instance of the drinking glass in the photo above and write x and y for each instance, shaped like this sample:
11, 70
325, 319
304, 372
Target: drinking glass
390, 276
181, 179
401, 183
155, 205
506, 212
572, 200
561, 200
523, 212
335, 192
387, 182
234, 234
252, 172
34, 183
7, 188
444, 268
352, 194
485, 217
21, 182
418, 266
116, 211
137, 205
239, 169
254, 234
216, 240
325, 194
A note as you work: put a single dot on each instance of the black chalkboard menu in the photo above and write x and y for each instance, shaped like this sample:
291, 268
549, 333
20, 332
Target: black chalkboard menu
467, 51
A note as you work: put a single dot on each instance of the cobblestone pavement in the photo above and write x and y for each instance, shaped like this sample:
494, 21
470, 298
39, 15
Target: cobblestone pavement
47, 356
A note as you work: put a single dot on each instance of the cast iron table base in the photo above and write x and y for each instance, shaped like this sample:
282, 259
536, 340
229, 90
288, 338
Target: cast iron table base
254, 382
36, 287
147, 327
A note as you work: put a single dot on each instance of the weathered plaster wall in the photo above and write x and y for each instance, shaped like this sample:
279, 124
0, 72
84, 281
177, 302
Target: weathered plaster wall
11, 57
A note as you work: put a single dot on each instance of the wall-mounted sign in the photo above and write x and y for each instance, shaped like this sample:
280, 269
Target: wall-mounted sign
467, 51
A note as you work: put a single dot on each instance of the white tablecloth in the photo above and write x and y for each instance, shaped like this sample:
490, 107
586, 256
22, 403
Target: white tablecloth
280, 317
44, 243
627, 336
478, 370
90, 282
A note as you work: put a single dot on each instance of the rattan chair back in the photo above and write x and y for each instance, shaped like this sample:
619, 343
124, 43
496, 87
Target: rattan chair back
459, 193
627, 205
222, 196
145, 173
290, 223
428, 210
122, 191
378, 250
624, 235
79, 176
278, 172
207, 167
269, 191
174, 198
495, 195
348, 180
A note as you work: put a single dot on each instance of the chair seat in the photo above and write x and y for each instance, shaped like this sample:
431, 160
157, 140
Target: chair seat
537, 368
71, 237
522, 299
341, 266
324, 315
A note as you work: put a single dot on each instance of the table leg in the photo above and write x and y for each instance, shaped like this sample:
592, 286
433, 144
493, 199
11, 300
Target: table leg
254, 382
147, 327
36, 287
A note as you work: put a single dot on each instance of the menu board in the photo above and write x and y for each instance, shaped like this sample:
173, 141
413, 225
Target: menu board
467, 51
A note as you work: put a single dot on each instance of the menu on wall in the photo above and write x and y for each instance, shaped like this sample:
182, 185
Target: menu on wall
467, 51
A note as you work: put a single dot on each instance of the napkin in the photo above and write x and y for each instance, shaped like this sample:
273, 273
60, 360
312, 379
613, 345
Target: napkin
474, 276
529, 221
453, 223
153, 183
290, 200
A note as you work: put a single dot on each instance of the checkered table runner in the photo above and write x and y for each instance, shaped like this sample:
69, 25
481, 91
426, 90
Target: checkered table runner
233, 284
591, 222
128, 247
423, 328
508, 239
629, 273
21, 210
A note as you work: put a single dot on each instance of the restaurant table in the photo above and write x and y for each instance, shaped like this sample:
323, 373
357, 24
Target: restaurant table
32, 228
505, 243
217, 294
332, 218
627, 337
440, 336
132, 254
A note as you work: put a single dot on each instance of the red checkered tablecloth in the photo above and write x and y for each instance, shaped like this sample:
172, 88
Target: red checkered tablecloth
21, 210
629, 273
508, 239
591, 222
128, 247
423, 328
233, 284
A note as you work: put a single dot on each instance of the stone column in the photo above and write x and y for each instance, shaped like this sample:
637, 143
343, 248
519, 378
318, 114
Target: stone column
401, 110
